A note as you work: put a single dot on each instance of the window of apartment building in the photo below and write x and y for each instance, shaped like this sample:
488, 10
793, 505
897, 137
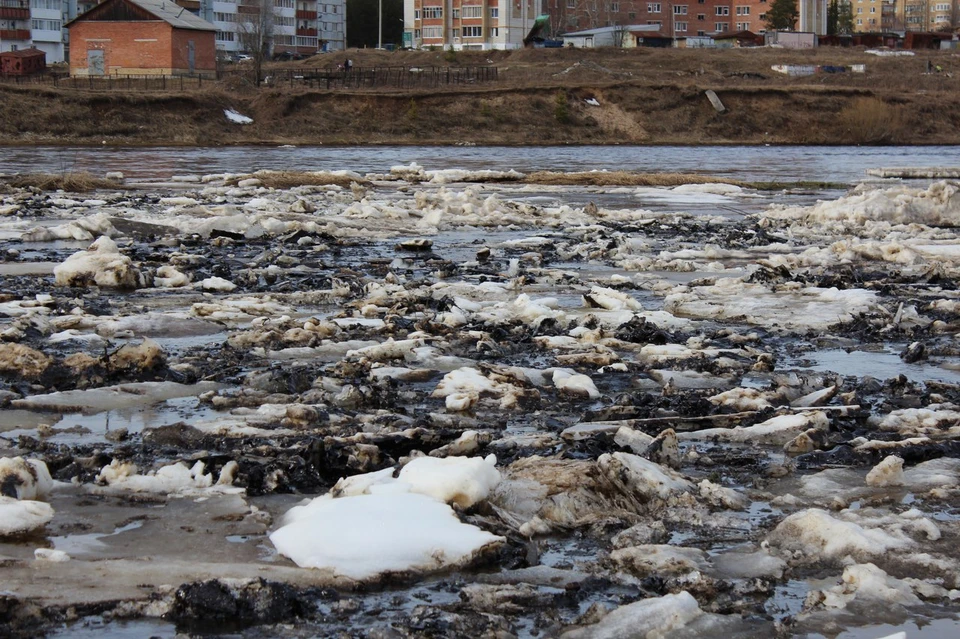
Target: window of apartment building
225, 36
762, 17
283, 4
455, 13
859, 21
743, 11
45, 4
680, 27
224, 17
473, 32
615, 7
679, 9
859, 9
656, 22
942, 7
653, 7
701, 17
286, 21
472, 11
721, 26
494, 32
455, 34
701, 33
494, 12
723, 11
416, 14
432, 13
432, 32
873, 9
571, 4
872, 21
743, 26
416, 34
46, 25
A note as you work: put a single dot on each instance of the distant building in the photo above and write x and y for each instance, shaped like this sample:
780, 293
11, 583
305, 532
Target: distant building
300, 26
676, 20
617, 36
468, 24
303, 26
140, 37
867, 15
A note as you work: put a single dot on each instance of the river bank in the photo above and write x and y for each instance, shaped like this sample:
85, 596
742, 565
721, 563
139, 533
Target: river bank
542, 97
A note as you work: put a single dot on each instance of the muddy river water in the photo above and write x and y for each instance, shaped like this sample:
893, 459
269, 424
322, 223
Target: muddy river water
414, 392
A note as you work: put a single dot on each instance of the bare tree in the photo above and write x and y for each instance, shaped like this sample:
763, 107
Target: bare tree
255, 28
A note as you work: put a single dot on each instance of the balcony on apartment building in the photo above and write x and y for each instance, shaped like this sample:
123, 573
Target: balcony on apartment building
307, 31
14, 34
248, 7
14, 10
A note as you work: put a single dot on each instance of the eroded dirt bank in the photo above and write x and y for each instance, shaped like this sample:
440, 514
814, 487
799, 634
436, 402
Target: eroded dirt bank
646, 97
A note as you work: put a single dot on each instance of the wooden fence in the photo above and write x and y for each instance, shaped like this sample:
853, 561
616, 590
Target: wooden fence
331, 79
113, 82
375, 77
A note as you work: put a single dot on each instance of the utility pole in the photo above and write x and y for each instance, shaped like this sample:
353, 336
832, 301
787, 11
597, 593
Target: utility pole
380, 24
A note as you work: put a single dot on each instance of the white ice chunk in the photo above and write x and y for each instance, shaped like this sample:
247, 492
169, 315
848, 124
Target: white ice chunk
460, 480
818, 534
368, 535
20, 517
101, 264
27, 478
645, 618
237, 118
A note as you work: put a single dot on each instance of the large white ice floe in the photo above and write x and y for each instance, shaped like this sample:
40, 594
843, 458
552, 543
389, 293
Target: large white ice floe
790, 306
101, 264
416, 529
364, 536
936, 205
645, 618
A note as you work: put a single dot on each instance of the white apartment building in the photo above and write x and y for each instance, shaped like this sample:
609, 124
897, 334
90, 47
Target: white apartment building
301, 26
468, 24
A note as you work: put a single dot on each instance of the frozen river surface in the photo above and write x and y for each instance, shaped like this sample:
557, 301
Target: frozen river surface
587, 410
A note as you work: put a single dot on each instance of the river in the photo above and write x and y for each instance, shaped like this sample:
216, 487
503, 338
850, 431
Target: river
750, 163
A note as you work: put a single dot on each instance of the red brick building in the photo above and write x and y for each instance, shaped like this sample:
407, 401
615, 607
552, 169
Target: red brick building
679, 18
141, 37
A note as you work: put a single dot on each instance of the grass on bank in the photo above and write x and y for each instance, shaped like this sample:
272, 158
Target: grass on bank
81, 182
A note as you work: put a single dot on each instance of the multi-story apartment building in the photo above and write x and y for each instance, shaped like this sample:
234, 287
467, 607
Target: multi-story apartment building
926, 15
297, 26
301, 26
867, 15
468, 24
679, 18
